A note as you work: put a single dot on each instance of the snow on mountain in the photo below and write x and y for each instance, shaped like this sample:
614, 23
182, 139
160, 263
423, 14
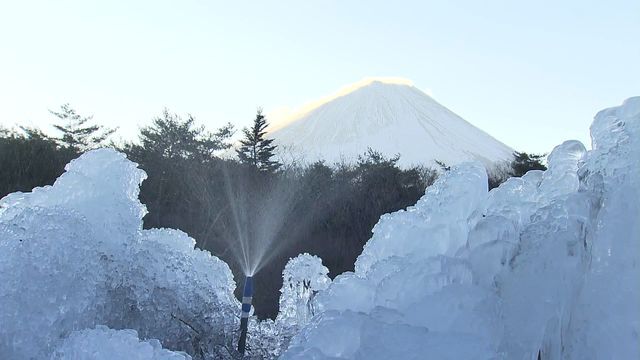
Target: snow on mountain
390, 116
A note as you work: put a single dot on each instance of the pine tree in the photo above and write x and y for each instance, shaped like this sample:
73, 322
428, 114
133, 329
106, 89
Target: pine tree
29, 158
256, 150
170, 137
524, 162
76, 132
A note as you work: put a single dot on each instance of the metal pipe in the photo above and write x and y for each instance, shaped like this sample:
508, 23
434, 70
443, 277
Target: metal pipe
247, 297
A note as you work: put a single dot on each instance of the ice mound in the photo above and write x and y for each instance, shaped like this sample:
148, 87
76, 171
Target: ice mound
545, 266
103, 343
302, 279
74, 255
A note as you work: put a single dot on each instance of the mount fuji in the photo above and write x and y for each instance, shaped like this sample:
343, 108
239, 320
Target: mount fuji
388, 116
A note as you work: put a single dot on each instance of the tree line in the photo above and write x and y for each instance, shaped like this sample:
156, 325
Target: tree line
330, 208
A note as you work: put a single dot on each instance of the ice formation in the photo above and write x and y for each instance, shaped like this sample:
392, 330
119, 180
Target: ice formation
302, 279
74, 256
545, 266
103, 343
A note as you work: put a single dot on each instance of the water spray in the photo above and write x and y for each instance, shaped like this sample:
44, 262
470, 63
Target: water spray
247, 297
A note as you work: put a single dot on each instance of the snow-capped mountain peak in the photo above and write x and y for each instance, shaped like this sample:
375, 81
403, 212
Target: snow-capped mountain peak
388, 115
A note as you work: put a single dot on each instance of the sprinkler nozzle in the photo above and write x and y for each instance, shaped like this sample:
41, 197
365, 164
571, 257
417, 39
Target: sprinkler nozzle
247, 297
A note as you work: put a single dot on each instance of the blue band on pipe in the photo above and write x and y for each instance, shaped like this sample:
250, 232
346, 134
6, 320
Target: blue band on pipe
247, 297
248, 287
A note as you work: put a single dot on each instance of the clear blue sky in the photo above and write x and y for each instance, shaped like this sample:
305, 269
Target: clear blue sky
530, 73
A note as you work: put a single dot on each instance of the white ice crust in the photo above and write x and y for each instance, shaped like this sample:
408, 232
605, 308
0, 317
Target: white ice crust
302, 279
103, 343
545, 265
74, 256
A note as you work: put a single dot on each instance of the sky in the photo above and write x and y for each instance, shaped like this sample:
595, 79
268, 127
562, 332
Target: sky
532, 74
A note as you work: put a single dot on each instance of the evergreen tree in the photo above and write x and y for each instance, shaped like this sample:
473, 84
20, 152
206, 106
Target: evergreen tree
256, 150
179, 157
29, 159
171, 137
524, 162
76, 131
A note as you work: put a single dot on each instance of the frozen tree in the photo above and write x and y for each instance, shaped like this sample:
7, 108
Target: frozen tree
74, 256
302, 279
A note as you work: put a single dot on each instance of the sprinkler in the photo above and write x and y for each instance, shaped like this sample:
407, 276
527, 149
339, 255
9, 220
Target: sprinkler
247, 296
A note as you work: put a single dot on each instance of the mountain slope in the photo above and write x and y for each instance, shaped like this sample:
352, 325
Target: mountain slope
390, 117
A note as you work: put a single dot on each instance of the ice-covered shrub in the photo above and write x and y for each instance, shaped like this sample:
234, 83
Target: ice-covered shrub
544, 266
302, 279
103, 343
74, 255
606, 323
